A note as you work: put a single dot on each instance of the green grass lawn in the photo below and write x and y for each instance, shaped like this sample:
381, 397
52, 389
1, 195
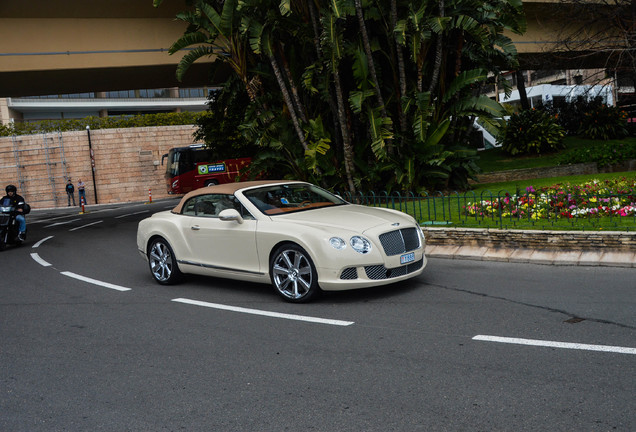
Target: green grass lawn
496, 160
521, 185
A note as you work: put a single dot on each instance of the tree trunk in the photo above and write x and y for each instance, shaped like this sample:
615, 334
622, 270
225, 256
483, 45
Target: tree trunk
288, 101
401, 73
346, 138
374, 75
438, 53
521, 86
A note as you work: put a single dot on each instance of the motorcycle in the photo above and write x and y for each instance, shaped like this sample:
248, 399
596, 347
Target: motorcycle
9, 227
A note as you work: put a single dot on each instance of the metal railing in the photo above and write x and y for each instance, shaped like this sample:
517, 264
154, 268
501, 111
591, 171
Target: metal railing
560, 210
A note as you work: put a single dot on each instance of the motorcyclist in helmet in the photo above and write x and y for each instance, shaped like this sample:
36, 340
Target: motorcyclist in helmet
16, 201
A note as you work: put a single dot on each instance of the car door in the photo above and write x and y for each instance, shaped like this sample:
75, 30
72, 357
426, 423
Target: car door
218, 245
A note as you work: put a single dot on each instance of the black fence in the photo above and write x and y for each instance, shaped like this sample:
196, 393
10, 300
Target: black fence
532, 210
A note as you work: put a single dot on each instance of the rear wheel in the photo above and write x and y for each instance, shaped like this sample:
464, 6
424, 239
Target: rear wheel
211, 182
163, 263
294, 274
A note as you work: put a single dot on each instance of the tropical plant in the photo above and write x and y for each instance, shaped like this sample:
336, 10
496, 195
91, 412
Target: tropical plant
532, 131
359, 93
604, 122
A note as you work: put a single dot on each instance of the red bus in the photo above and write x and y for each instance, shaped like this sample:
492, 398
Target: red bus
192, 167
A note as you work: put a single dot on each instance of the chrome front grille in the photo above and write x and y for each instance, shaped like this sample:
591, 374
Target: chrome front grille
377, 272
400, 241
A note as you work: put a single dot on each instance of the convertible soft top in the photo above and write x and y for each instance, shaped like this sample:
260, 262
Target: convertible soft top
227, 188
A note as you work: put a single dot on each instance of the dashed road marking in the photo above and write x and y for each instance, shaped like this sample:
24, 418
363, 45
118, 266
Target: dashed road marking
87, 225
95, 281
39, 260
132, 214
62, 223
553, 344
265, 313
41, 241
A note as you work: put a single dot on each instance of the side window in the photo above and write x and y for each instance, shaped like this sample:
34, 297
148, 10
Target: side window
213, 204
241, 208
188, 207
206, 205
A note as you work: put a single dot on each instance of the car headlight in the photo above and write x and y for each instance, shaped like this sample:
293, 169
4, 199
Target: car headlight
422, 236
337, 243
360, 244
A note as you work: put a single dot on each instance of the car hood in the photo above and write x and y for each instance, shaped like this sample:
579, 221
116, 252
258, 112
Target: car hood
348, 217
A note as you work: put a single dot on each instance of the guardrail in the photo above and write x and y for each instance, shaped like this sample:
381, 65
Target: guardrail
567, 211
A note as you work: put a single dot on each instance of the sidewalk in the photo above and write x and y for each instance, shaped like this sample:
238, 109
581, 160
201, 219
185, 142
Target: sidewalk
609, 258
588, 248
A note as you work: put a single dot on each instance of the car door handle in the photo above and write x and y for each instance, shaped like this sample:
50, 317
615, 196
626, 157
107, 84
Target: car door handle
195, 227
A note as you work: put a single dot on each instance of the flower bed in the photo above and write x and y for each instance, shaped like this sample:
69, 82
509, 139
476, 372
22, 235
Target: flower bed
616, 197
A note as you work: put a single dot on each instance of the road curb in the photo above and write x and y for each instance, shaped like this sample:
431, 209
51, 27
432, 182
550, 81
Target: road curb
585, 248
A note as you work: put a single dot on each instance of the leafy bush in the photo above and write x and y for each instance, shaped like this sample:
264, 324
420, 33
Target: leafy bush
145, 120
604, 122
570, 115
531, 132
604, 154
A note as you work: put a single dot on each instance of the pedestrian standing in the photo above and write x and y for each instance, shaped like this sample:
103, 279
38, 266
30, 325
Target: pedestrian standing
70, 192
81, 191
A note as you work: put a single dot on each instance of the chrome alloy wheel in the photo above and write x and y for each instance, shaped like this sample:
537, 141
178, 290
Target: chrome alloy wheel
293, 274
162, 262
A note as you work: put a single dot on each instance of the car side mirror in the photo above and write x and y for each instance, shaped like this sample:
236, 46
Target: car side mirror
230, 215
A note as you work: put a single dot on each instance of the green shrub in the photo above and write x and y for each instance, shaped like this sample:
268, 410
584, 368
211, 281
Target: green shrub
604, 154
531, 132
570, 115
604, 122
142, 120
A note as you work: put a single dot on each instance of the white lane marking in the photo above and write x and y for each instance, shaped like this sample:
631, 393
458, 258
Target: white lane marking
50, 219
62, 223
87, 225
552, 344
264, 313
95, 281
41, 241
39, 260
132, 214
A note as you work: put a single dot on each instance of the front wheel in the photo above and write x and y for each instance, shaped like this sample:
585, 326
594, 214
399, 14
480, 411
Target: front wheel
163, 263
4, 236
293, 274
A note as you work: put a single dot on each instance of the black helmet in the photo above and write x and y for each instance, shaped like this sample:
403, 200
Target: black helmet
11, 188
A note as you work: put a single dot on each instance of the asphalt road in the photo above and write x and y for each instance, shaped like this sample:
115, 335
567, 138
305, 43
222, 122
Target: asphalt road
89, 342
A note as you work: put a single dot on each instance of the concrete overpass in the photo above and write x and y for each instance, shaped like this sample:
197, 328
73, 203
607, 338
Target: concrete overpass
75, 46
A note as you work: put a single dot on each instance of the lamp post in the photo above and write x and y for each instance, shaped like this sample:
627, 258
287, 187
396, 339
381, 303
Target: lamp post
90, 148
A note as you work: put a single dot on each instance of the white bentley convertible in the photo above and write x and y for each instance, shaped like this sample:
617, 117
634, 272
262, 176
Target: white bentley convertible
294, 235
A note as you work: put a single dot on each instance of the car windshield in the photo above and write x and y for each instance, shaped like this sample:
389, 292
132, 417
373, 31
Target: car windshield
293, 197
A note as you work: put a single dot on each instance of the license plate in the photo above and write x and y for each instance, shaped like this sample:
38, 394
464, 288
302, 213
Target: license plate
407, 258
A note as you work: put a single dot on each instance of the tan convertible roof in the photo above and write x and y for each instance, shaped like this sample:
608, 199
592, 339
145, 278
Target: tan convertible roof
225, 188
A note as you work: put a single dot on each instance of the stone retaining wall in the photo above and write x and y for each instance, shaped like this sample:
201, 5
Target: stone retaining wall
555, 171
127, 163
529, 239
533, 173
